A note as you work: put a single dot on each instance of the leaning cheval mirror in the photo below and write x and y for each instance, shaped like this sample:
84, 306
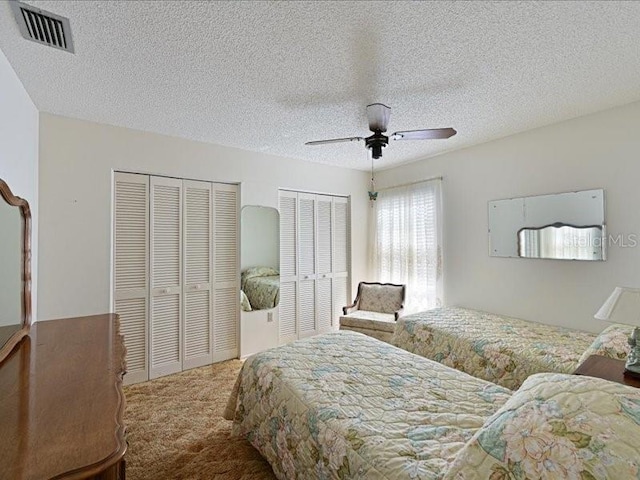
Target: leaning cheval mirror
15, 270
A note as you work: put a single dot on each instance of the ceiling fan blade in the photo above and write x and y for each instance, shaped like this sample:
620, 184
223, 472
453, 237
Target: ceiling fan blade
427, 134
334, 140
378, 116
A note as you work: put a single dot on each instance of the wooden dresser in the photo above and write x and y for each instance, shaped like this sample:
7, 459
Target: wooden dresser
61, 402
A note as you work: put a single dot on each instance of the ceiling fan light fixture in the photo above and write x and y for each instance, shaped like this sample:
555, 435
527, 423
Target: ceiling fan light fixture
376, 143
378, 116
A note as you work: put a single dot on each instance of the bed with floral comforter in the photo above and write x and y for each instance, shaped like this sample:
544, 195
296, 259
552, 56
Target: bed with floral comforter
557, 427
344, 405
261, 285
499, 349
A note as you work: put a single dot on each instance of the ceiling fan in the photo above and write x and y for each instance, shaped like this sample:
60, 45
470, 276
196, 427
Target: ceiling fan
378, 116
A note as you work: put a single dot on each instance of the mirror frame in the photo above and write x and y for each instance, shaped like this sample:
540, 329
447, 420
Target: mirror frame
23, 205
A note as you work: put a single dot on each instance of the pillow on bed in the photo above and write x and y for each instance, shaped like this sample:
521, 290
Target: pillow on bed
612, 342
258, 272
557, 426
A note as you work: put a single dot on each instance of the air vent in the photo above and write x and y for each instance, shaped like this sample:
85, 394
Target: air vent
43, 27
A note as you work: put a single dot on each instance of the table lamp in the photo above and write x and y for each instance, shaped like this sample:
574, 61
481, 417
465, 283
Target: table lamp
623, 306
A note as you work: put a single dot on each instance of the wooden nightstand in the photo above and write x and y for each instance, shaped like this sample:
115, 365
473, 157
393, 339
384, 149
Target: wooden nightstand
608, 369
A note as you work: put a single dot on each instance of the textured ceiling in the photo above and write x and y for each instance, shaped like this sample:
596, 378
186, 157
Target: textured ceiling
268, 76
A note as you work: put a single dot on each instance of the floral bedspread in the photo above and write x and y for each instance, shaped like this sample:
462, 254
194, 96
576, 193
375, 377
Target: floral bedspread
558, 427
344, 405
499, 349
612, 342
262, 292
261, 285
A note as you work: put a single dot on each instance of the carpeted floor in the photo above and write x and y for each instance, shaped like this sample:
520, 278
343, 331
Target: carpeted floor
176, 430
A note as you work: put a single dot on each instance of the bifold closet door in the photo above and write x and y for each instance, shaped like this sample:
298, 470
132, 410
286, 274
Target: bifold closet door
131, 269
288, 207
307, 325
324, 262
226, 296
341, 248
166, 277
314, 263
198, 257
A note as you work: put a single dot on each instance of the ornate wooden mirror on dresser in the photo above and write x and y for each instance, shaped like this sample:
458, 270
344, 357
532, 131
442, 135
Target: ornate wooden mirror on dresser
15, 271
61, 398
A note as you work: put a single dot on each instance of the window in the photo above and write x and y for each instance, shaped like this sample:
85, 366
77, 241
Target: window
407, 242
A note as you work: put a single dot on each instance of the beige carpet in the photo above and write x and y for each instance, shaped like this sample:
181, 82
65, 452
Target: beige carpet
176, 430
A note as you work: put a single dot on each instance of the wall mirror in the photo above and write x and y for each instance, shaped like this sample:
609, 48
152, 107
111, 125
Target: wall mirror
565, 226
259, 258
15, 273
561, 241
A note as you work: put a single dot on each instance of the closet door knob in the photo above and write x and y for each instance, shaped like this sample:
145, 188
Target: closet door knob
165, 290
197, 287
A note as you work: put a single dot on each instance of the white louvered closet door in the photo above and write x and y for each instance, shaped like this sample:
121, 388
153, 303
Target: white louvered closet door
166, 277
341, 257
307, 325
131, 268
226, 297
324, 262
197, 291
288, 207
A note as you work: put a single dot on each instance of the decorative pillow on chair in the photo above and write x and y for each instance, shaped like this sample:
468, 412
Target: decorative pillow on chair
560, 427
612, 342
380, 298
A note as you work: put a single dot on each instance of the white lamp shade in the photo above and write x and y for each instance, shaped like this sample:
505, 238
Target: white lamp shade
622, 306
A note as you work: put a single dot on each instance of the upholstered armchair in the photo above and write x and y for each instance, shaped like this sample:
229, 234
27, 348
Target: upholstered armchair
375, 310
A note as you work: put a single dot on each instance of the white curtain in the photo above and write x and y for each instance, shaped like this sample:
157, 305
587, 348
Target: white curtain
407, 242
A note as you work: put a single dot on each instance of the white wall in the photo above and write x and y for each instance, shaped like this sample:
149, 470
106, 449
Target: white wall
19, 152
76, 163
596, 151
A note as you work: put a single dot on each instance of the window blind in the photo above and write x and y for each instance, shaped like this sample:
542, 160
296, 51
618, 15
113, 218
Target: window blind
407, 245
